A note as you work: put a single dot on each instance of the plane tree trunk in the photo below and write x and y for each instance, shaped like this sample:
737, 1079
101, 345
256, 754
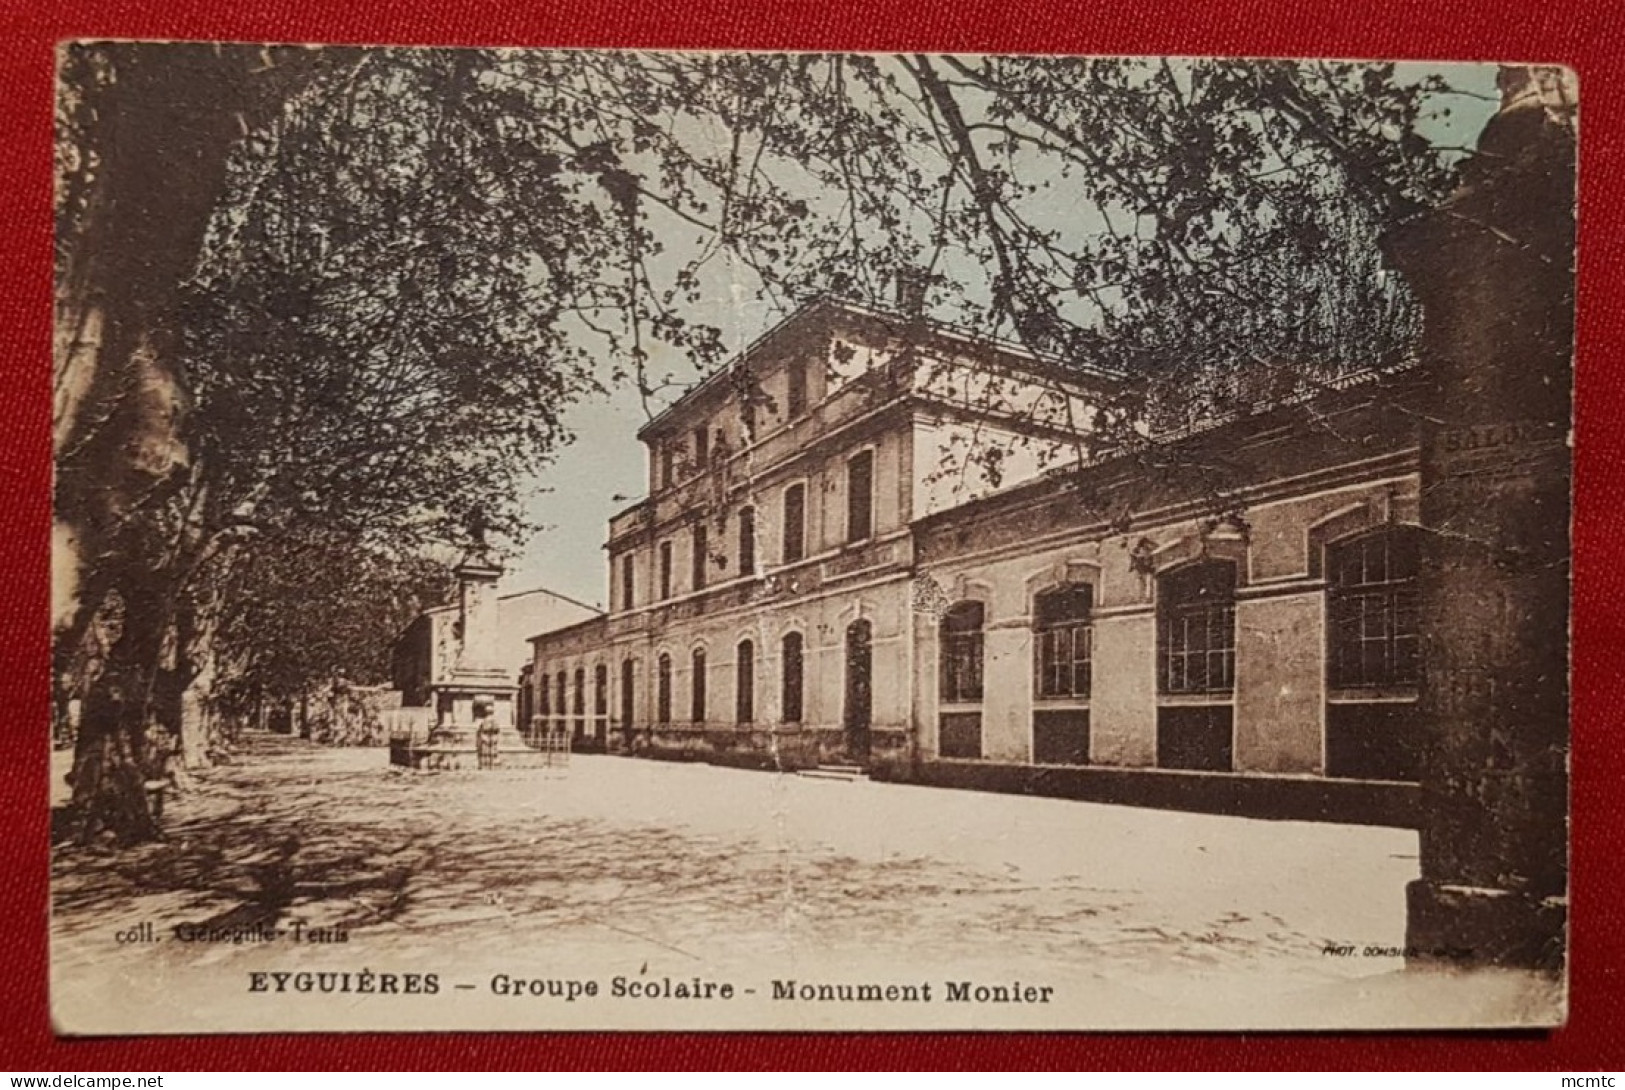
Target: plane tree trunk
144, 141
114, 756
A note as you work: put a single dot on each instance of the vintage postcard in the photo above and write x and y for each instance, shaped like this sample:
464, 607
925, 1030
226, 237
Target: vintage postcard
616, 540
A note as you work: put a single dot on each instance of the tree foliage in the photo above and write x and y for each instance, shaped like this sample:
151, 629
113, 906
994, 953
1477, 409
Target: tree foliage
311, 609
376, 338
352, 319
1149, 215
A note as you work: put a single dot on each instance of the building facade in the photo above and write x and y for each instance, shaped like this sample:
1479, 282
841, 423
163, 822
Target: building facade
873, 539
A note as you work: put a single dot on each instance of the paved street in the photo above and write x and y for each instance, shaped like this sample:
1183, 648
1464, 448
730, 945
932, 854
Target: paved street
648, 869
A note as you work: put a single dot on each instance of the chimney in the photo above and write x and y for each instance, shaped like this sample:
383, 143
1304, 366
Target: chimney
912, 282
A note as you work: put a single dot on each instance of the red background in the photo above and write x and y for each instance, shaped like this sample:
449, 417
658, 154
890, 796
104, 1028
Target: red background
1579, 35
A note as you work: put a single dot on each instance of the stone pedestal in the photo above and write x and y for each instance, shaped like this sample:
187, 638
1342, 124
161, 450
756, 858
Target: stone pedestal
1493, 270
478, 679
456, 699
454, 742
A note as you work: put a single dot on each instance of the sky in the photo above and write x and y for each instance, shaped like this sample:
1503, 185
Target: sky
604, 469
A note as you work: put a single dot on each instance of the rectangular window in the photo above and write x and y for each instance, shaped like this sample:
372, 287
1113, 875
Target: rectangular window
1064, 668
860, 488
747, 541
1196, 628
668, 465
961, 650
702, 448
665, 569
701, 557
1063, 641
795, 523
796, 376
627, 582
1373, 606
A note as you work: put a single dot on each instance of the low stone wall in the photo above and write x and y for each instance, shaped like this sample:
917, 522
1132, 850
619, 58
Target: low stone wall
798, 747
1275, 798
749, 759
1348, 802
453, 758
732, 749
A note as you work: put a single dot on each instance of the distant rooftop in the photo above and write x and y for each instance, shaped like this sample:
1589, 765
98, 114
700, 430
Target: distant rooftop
525, 594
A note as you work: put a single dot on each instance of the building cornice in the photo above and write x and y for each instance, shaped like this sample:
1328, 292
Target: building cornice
999, 353
1393, 467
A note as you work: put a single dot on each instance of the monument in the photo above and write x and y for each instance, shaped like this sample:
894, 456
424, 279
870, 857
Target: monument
477, 700
1493, 268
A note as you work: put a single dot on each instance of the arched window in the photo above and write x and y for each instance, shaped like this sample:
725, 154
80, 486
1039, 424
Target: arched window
860, 495
858, 704
629, 692
663, 690
600, 700
1063, 643
696, 703
959, 641
745, 682
1196, 657
544, 695
795, 523
580, 705
1196, 628
962, 654
790, 701
1373, 649
747, 541
1373, 610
